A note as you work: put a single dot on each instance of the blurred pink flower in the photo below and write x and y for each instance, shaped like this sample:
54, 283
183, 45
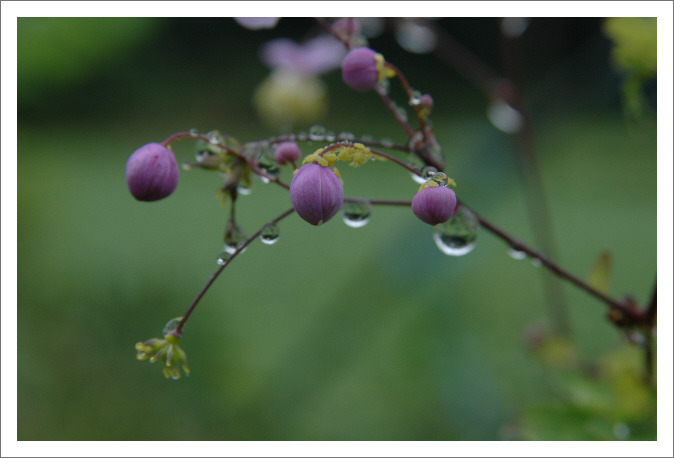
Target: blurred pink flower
257, 23
315, 56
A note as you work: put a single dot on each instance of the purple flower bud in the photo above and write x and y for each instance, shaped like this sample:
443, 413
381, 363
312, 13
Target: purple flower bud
287, 152
359, 69
152, 172
316, 193
434, 204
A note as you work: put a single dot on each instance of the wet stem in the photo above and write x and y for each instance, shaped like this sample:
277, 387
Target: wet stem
179, 329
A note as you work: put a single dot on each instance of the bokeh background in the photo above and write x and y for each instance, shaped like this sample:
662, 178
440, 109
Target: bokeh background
333, 333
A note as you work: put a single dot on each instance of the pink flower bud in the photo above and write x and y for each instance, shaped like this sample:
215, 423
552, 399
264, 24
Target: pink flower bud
434, 204
316, 193
359, 69
287, 152
152, 172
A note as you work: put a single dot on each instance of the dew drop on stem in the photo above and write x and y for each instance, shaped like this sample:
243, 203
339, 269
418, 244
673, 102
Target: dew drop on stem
516, 254
270, 234
356, 214
457, 236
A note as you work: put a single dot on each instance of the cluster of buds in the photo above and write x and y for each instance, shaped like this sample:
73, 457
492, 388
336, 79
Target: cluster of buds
316, 190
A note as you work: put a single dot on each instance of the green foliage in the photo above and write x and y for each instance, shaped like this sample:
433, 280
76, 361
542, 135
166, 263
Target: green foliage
53, 52
635, 54
606, 401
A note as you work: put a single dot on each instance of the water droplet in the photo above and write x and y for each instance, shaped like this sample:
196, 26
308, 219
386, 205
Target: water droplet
440, 178
356, 214
317, 133
270, 234
267, 164
243, 189
504, 117
516, 254
171, 325
367, 138
536, 262
234, 238
415, 98
223, 256
387, 143
346, 136
193, 131
186, 166
330, 136
418, 179
457, 236
402, 112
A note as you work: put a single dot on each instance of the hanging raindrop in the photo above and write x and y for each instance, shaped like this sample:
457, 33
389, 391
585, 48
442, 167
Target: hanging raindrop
171, 325
317, 133
270, 234
387, 143
415, 98
516, 254
234, 238
348, 136
457, 236
356, 214
222, 258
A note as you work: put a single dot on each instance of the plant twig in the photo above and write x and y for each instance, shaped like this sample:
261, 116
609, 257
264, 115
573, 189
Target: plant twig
179, 329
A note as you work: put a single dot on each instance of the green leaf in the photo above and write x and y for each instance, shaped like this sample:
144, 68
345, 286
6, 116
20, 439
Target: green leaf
600, 274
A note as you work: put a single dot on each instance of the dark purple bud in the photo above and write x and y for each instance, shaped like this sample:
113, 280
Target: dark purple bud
152, 172
287, 152
434, 204
316, 193
359, 69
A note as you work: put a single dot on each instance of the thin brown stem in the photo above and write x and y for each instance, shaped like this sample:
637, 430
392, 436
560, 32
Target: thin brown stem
179, 329
394, 111
626, 308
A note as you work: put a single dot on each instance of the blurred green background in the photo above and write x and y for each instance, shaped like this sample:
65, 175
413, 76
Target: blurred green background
333, 333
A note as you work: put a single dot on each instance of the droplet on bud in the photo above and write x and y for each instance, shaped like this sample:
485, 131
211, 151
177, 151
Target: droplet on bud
356, 214
457, 236
270, 234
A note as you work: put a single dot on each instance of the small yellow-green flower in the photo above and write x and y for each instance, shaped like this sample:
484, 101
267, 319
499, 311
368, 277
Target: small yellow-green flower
167, 351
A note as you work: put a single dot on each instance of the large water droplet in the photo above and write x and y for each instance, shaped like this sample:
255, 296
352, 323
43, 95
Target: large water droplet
234, 238
267, 164
317, 133
270, 234
457, 236
171, 325
356, 214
